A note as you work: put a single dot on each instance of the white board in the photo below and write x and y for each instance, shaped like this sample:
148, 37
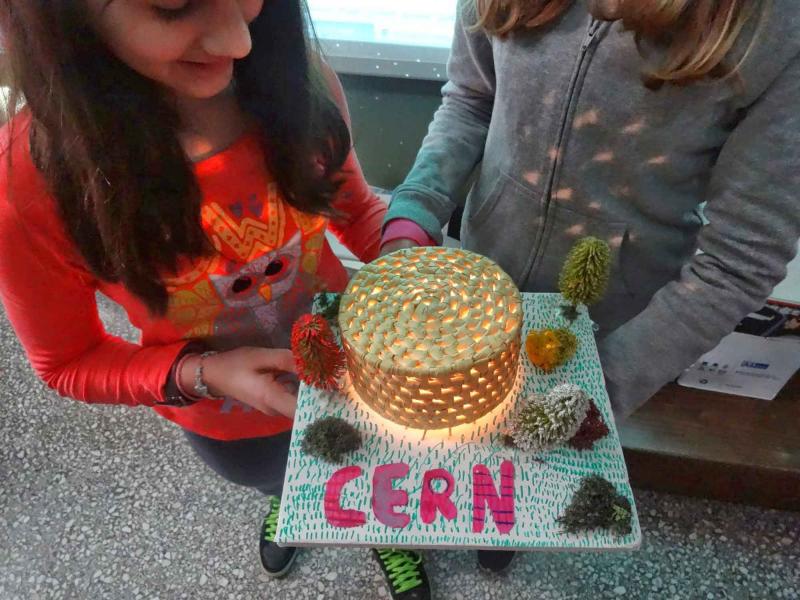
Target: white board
542, 487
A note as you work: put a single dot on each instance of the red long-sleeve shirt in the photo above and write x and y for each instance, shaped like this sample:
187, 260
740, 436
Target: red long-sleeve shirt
269, 260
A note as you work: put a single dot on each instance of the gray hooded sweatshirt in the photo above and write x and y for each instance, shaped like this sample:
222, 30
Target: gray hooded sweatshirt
571, 144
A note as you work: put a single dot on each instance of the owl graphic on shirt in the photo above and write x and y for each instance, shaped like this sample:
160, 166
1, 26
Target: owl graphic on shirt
257, 298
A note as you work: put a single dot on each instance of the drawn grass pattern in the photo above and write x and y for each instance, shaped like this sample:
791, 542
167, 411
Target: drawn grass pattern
544, 483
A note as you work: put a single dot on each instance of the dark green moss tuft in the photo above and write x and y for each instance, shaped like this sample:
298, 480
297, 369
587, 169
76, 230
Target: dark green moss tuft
597, 504
330, 439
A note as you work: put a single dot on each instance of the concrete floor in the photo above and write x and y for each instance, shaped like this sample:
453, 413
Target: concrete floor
104, 502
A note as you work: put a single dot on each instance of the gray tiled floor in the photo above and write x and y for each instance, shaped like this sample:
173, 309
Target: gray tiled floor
103, 502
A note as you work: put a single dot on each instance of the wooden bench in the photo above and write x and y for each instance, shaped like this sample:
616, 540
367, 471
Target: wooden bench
718, 446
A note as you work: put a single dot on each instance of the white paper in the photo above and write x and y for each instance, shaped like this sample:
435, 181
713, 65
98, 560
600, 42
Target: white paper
746, 365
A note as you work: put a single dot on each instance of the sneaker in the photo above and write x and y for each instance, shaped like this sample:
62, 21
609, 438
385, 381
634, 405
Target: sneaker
404, 573
495, 561
277, 561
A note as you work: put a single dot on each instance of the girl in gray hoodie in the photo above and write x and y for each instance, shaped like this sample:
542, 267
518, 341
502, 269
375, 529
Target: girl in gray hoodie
619, 119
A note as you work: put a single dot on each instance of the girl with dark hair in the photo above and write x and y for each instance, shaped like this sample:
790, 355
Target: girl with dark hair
185, 158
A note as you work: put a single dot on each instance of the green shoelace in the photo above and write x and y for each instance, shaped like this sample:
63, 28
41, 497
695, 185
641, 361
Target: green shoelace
271, 520
402, 568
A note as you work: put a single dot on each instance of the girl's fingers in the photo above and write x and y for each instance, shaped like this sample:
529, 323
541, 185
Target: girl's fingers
282, 402
276, 360
263, 408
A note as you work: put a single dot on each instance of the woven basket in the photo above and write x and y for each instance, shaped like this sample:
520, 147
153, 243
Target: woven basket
432, 336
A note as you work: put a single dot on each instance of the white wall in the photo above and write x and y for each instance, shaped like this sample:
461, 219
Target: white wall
789, 290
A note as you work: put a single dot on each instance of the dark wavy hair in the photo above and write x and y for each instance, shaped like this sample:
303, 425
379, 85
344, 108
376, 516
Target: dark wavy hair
105, 138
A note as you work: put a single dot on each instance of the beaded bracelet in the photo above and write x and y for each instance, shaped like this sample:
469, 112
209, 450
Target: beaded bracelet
200, 387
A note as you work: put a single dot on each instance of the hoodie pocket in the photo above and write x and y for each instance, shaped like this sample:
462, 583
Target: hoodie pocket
503, 219
488, 193
564, 229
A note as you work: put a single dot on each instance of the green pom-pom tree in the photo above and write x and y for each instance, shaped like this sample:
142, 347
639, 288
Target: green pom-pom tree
330, 439
546, 422
597, 505
585, 274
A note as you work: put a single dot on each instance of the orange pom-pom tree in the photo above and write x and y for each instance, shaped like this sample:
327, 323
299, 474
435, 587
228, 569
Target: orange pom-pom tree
550, 348
319, 359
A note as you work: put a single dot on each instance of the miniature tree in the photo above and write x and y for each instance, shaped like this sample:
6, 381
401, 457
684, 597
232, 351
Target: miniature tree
585, 274
319, 359
550, 348
546, 422
592, 429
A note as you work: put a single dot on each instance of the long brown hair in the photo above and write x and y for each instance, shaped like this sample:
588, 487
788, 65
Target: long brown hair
697, 35
106, 139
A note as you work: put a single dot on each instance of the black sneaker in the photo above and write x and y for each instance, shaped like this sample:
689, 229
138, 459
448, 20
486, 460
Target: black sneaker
495, 561
404, 573
277, 561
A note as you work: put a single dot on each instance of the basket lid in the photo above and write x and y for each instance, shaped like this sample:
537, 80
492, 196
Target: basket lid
430, 309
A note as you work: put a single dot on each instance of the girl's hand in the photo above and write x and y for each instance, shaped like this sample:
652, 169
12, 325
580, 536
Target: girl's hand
248, 374
399, 244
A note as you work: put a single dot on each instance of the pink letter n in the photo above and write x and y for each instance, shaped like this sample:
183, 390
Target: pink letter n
484, 494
